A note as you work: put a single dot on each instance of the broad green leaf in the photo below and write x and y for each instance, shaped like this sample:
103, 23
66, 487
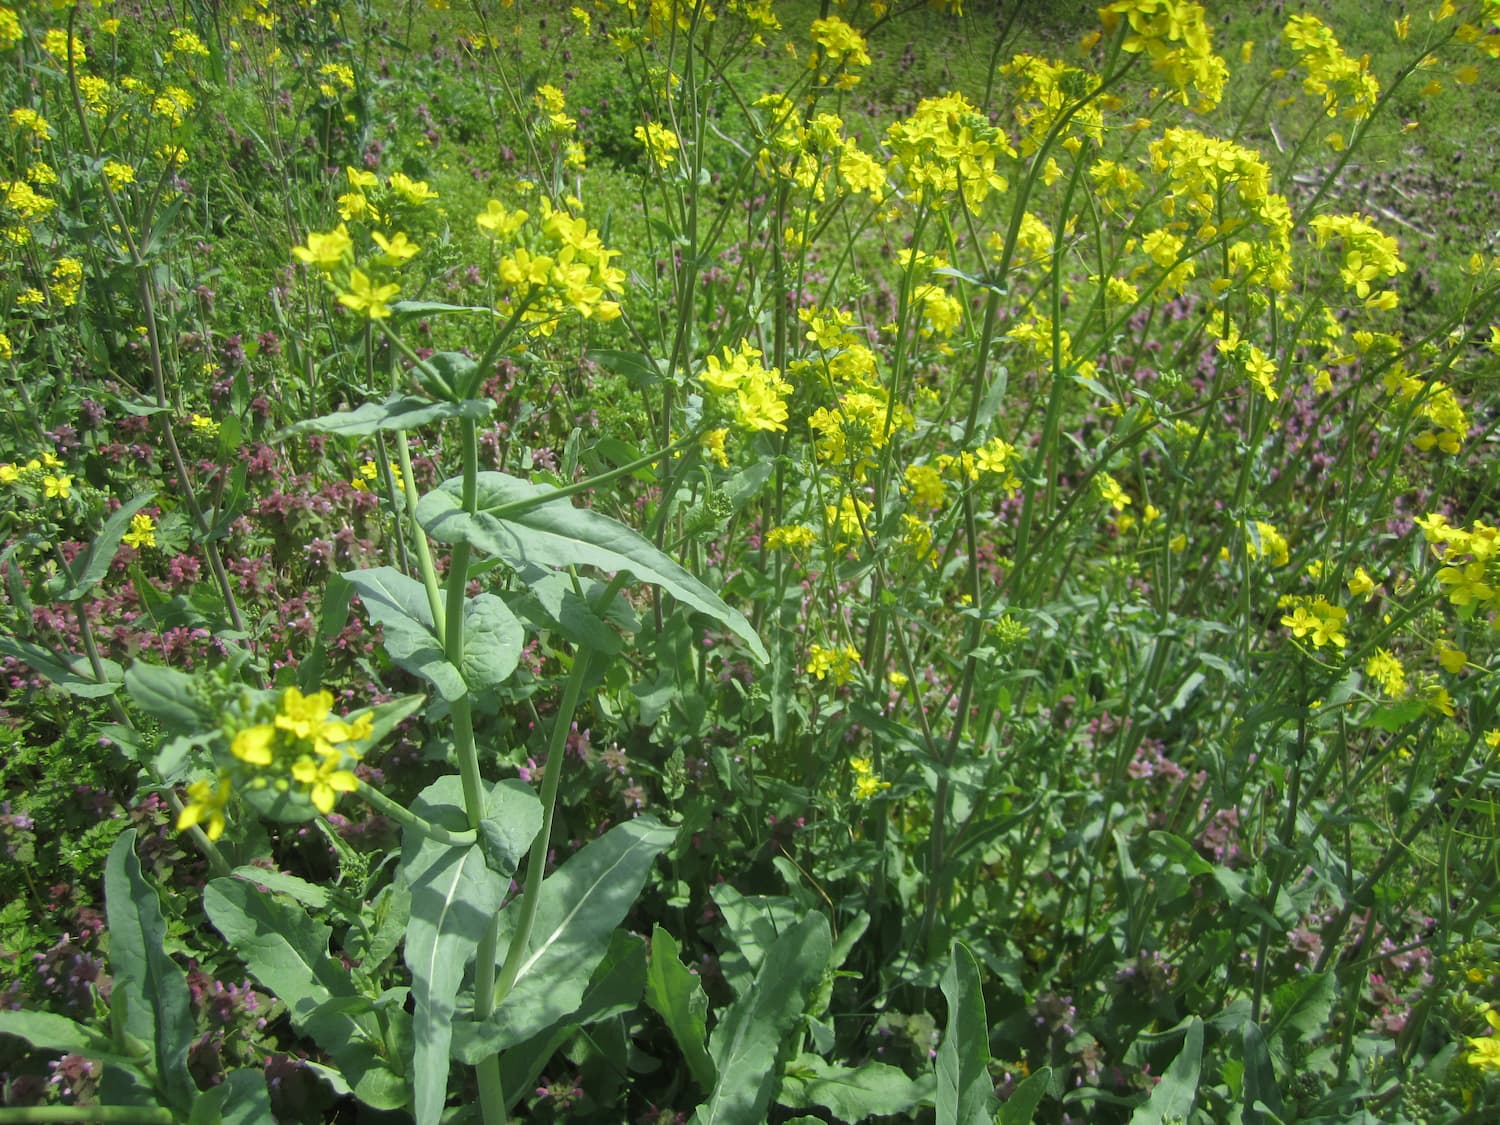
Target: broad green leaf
48, 1032
308, 894
399, 412
454, 894
1020, 1107
493, 640
640, 370
241, 1099
850, 1093
677, 996
398, 604
519, 522
1174, 1096
571, 614
150, 985
581, 904
91, 567
169, 695
755, 923
512, 818
286, 951
965, 1092
755, 1034
615, 988
74, 677
337, 594
1180, 851
1299, 1010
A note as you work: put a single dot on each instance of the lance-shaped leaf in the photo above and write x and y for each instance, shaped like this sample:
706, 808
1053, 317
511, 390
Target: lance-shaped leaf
171, 696
1020, 1107
851, 1093
91, 567
581, 904
755, 1035
965, 1092
493, 638
151, 986
74, 677
399, 412
48, 1032
522, 524
677, 996
286, 951
454, 894
1172, 1098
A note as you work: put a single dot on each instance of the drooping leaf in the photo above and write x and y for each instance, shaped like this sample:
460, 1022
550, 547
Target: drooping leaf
74, 677
48, 1032
308, 894
677, 996
150, 985
1174, 1096
169, 695
286, 951
398, 604
399, 412
755, 923
90, 568
750, 1043
965, 1093
1299, 1010
850, 1093
1260, 1076
454, 894
522, 524
581, 904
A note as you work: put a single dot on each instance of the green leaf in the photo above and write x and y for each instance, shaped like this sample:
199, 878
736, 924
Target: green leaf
850, 1093
614, 989
965, 1093
493, 640
170, 696
677, 996
454, 894
1178, 850
521, 523
398, 604
337, 594
755, 1035
581, 903
148, 983
638, 369
570, 614
1260, 1076
755, 923
48, 1032
1300, 1010
1174, 1096
399, 412
91, 567
76, 678
1020, 1107
308, 894
286, 951
241, 1099
512, 818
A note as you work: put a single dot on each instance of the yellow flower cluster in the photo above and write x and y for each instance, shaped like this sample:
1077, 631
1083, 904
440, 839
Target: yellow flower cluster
1369, 256
1345, 84
1045, 91
948, 150
566, 270
302, 747
809, 156
866, 783
1174, 35
1471, 558
842, 47
661, 143
838, 664
1315, 618
760, 393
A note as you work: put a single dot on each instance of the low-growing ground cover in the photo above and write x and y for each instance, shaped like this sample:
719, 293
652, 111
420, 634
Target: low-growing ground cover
749, 561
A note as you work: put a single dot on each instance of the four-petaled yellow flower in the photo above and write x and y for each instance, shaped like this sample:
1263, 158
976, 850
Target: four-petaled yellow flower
57, 488
142, 532
325, 251
398, 248
365, 296
205, 806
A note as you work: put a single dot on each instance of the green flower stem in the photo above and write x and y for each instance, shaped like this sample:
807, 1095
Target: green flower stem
408, 819
419, 540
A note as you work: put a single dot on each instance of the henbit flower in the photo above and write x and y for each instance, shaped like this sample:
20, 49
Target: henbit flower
367, 297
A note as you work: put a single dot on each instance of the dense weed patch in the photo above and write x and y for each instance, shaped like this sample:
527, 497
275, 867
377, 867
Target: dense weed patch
749, 561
